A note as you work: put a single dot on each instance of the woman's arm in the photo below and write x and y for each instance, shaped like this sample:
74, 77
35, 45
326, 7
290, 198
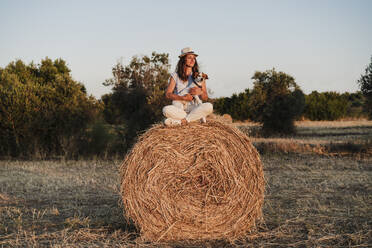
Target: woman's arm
170, 89
204, 95
201, 92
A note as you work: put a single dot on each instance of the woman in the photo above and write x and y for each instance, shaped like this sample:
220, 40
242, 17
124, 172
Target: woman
182, 90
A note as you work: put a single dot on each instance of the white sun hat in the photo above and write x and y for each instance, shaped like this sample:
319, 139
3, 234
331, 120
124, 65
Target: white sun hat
187, 50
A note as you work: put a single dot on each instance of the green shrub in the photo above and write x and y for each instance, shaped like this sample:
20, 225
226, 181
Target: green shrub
237, 106
276, 101
43, 110
326, 106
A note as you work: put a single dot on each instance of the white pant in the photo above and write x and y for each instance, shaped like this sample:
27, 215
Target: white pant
189, 111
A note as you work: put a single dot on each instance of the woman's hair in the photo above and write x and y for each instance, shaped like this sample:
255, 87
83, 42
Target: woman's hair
180, 69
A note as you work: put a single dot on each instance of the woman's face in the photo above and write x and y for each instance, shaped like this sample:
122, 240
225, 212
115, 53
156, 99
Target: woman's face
190, 60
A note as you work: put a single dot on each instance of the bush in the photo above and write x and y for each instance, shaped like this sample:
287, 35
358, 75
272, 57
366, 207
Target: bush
276, 101
355, 104
236, 105
326, 106
279, 115
43, 110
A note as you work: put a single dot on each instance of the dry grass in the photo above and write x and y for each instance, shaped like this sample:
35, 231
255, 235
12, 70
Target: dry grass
326, 138
311, 200
60, 204
316, 124
332, 124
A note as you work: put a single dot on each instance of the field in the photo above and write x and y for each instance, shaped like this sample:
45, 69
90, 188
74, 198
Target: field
318, 194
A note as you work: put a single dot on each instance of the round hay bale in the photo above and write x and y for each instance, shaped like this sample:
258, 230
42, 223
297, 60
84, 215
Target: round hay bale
193, 182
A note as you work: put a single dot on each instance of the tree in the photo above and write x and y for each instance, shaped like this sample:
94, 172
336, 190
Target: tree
276, 101
365, 83
42, 109
138, 93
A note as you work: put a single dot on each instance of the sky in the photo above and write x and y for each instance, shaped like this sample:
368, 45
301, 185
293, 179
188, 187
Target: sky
324, 44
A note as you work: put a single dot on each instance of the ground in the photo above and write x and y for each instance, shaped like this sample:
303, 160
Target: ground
314, 198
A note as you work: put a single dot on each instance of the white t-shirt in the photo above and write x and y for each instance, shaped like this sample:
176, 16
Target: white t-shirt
182, 87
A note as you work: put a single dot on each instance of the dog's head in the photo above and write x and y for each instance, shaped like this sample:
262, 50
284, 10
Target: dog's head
200, 76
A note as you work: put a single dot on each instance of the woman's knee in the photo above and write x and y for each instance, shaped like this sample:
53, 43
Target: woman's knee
167, 110
170, 111
208, 107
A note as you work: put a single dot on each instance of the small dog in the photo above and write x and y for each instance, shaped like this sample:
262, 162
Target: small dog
200, 76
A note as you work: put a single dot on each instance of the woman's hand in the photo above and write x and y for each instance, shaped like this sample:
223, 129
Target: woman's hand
196, 91
187, 97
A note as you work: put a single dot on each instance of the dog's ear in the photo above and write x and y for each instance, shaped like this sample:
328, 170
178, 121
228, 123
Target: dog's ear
205, 76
